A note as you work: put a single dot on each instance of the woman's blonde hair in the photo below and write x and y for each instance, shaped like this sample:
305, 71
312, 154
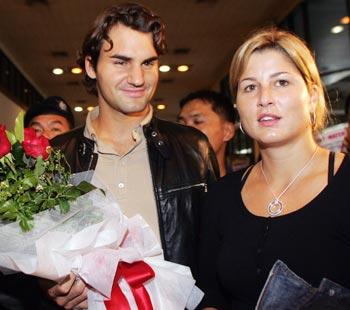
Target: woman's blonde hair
299, 54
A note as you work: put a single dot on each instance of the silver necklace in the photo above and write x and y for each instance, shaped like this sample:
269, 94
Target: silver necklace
275, 207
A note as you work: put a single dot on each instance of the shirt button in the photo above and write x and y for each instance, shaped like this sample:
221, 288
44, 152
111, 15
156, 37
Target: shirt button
258, 270
154, 134
258, 251
121, 185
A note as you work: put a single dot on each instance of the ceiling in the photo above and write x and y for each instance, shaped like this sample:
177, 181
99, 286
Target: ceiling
38, 35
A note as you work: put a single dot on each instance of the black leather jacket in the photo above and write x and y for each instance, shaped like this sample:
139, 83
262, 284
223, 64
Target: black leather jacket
182, 165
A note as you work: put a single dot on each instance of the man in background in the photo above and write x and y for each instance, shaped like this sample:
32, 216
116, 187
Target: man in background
213, 114
50, 118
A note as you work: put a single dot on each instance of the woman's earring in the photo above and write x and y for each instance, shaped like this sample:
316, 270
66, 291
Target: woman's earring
241, 128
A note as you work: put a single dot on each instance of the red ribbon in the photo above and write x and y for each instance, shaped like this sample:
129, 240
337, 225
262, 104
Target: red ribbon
135, 275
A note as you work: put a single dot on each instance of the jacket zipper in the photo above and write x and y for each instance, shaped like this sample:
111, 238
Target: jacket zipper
90, 162
188, 187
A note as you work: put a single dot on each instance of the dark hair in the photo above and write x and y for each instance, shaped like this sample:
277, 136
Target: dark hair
220, 104
131, 15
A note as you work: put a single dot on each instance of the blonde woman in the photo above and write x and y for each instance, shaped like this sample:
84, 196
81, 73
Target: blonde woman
289, 211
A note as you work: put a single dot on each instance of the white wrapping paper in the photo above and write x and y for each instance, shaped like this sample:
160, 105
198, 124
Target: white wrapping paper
90, 240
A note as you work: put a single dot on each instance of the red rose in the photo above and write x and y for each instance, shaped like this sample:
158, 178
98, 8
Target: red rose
5, 145
35, 146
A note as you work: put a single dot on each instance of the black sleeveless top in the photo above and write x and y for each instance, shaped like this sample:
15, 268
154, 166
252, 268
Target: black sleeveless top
238, 248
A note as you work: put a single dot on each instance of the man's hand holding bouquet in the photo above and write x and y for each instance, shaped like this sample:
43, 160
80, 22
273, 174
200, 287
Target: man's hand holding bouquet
51, 227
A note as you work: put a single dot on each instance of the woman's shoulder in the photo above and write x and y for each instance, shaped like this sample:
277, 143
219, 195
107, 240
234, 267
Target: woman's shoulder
231, 182
342, 165
235, 176
338, 181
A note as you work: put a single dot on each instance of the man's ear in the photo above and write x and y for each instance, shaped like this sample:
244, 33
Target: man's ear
89, 68
229, 131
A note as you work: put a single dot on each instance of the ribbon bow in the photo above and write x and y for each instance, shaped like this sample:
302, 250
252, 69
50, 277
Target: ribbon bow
135, 275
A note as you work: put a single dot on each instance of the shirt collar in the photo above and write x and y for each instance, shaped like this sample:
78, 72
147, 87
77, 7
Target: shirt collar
137, 132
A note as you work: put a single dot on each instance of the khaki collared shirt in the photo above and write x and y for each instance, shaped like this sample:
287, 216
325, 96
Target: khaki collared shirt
126, 178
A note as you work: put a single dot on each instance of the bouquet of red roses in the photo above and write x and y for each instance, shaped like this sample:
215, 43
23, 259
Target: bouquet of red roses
33, 177
88, 235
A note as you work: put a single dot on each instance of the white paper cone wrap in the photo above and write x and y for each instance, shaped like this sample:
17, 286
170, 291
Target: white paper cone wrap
90, 240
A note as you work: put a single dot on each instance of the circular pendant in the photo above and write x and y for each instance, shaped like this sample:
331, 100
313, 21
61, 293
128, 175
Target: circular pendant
275, 207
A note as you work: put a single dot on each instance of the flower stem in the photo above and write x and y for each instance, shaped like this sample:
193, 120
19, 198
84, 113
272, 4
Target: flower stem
9, 163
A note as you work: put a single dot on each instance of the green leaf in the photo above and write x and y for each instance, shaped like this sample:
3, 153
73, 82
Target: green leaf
39, 166
26, 197
11, 137
72, 193
19, 127
64, 205
48, 204
5, 206
10, 215
39, 199
25, 223
17, 152
29, 182
85, 187
33, 207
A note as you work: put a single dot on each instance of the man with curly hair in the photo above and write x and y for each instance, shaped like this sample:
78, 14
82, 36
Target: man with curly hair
149, 166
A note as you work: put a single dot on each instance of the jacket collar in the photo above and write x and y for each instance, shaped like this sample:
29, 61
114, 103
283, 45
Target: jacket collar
153, 136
